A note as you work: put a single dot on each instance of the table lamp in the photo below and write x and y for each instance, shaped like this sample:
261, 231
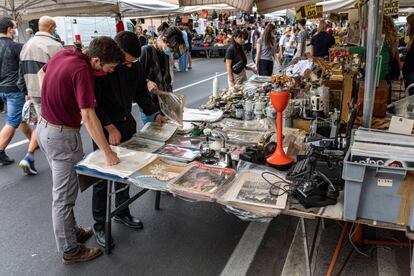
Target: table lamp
278, 159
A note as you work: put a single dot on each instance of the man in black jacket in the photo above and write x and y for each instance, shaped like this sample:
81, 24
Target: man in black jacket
10, 81
115, 94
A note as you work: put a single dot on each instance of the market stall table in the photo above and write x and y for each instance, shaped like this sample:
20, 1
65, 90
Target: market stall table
88, 178
333, 212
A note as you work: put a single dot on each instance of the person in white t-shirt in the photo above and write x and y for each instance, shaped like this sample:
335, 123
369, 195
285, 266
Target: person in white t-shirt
282, 43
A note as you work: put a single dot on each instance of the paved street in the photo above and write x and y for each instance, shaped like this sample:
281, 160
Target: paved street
183, 238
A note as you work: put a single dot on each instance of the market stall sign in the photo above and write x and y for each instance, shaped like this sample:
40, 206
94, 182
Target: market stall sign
309, 12
391, 8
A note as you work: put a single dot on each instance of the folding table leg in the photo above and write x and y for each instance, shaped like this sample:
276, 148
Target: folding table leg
306, 248
412, 262
108, 218
157, 200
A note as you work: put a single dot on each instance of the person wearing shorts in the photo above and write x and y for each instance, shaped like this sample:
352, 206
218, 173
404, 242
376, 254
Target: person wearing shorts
34, 55
10, 93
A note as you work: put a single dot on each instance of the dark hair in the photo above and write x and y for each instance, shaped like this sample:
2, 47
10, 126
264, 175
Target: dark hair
5, 23
302, 22
129, 43
245, 33
172, 34
268, 38
106, 49
239, 48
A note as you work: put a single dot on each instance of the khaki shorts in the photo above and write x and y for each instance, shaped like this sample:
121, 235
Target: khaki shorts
37, 105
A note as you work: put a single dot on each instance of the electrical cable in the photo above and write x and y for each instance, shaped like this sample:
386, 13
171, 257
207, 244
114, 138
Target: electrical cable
350, 235
277, 186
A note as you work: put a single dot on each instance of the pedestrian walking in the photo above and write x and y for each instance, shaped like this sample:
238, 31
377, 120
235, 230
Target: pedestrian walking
34, 55
266, 51
10, 83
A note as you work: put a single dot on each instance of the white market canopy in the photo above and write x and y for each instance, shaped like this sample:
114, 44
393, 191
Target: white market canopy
129, 9
32, 9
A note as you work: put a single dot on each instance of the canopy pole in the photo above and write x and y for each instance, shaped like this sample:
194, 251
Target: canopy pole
363, 24
374, 13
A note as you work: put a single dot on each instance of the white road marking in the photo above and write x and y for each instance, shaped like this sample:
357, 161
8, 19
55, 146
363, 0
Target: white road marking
192, 84
246, 249
198, 82
17, 144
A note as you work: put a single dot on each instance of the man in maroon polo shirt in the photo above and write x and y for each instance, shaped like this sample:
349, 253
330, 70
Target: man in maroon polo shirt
68, 97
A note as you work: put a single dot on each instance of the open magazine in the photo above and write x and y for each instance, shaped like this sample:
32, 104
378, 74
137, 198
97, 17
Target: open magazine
172, 106
157, 174
130, 161
201, 182
250, 192
158, 132
142, 144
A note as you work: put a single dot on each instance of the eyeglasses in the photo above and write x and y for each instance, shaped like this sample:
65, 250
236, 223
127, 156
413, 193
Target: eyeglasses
109, 67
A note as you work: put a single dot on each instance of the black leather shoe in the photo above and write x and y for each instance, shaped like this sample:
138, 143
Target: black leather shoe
130, 221
100, 237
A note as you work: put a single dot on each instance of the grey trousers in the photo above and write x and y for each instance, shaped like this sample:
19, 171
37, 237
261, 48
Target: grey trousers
63, 149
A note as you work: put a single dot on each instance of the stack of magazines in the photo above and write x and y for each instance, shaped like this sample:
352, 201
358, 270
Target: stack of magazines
382, 148
201, 182
157, 174
130, 161
251, 192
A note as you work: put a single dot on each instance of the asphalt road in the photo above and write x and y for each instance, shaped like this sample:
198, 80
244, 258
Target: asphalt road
183, 238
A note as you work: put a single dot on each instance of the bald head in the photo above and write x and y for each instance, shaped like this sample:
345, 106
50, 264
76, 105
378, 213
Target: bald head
47, 24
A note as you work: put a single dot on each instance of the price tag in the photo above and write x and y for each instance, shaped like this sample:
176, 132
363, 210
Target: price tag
384, 182
309, 12
391, 7
401, 125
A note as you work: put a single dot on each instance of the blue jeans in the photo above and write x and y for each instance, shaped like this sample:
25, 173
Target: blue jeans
286, 61
148, 119
15, 102
183, 61
254, 54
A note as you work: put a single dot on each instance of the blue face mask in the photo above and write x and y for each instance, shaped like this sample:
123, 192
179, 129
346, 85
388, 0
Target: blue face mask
168, 51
